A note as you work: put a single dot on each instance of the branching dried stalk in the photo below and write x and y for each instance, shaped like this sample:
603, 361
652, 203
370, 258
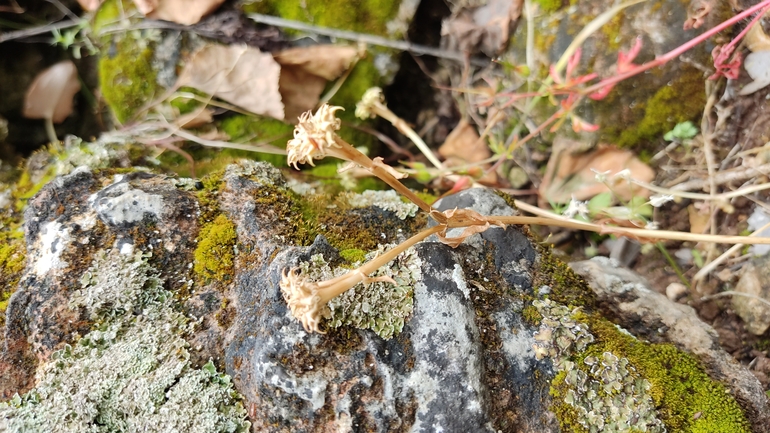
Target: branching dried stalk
315, 137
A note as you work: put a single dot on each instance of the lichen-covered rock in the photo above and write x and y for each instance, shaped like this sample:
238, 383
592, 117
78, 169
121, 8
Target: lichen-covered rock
627, 298
139, 288
131, 373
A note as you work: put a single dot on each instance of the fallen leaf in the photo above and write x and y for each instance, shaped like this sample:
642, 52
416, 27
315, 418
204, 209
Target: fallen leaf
757, 65
326, 61
185, 12
756, 39
238, 74
90, 5
699, 218
486, 28
463, 146
570, 174
305, 71
51, 93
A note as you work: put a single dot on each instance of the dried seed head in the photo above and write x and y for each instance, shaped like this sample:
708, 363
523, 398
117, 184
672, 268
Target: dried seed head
314, 136
370, 98
303, 300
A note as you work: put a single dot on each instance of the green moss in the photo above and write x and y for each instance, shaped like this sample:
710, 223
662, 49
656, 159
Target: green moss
26, 189
567, 415
567, 287
365, 16
688, 400
214, 255
549, 5
353, 255
531, 316
683, 99
126, 76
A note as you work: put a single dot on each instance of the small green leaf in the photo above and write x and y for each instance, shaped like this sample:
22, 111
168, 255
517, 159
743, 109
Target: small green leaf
600, 203
682, 131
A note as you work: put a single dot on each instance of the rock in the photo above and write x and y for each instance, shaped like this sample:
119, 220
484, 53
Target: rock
653, 102
754, 308
676, 291
627, 299
495, 335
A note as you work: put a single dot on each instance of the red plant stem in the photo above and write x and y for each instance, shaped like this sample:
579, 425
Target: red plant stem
665, 58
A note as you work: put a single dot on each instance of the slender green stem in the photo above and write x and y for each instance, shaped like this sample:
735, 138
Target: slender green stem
673, 264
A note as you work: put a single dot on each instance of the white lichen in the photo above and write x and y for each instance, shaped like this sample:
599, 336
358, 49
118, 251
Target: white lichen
607, 392
132, 372
380, 306
386, 200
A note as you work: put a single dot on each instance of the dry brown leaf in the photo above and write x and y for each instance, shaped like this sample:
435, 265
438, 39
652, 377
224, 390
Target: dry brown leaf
699, 218
238, 74
486, 28
185, 12
570, 174
305, 71
462, 146
51, 93
326, 61
90, 5
756, 39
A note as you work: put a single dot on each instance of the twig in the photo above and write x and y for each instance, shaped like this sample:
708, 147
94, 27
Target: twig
18, 34
363, 37
552, 219
739, 174
705, 270
734, 293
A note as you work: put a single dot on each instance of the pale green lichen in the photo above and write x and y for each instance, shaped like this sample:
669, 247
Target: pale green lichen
131, 373
386, 200
607, 393
382, 307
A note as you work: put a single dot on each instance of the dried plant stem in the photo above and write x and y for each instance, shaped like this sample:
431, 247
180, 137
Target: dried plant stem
383, 171
705, 270
678, 191
361, 37
383, 111
734, 293
551, 219
738, 174
330, 289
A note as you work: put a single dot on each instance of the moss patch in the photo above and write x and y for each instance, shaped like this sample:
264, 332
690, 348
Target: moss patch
566, 286
688, 400
215, 254
683, 99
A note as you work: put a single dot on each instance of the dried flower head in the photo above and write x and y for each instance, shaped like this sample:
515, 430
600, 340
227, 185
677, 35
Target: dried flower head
371, 97
314, 136
303, 300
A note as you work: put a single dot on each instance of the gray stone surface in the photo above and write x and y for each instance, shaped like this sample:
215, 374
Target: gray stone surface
465, 360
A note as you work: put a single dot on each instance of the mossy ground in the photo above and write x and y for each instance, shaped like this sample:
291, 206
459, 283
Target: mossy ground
688, 400
127, 77
215, 253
